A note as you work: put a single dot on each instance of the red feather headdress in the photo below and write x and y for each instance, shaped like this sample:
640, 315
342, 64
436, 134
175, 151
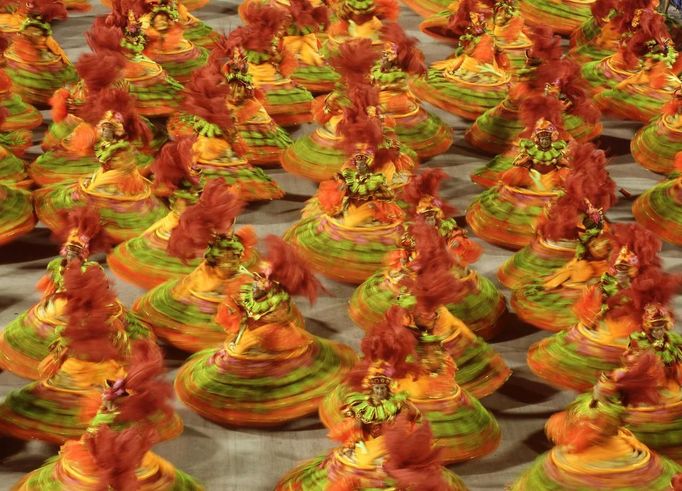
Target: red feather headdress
204, 96
263, 23
47, 10
89, 332
546, 46
118, 101
426, 184
412, 460
173, 166
304, 15
390, 344
214, 213
354, 60
290, 269
86, 224
410, 58
536, 107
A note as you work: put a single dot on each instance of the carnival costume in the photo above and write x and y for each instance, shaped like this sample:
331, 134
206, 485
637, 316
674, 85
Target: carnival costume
424, 277
480, 306
476, 77
570, 233
646, 38
462, 427
500, 128
26, 341
269, 371
16, 213
165, 41
182, 310
227, 88
599, 36
507, 214
114, 452
91, 348
415, 128
271, 65
35, 62
383, 443
304, 38
642, 95
608, 313
655, 145
506, 26
556, 282
144, 260
71, 148
117, 190
359, 220
660, 208
594, 450
320, 155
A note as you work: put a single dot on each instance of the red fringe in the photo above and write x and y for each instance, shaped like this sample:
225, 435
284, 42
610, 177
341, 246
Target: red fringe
426, 183
89, 67
354, 60
204, 96
47, 10
263, 22
304, 15
119, 101
392, 343
640, 380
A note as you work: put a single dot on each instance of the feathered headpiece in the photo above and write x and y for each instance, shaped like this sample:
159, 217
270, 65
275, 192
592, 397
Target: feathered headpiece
46, 10
290, 269
172, 168
460, 21
204, 96
409, 57
388, 347
412, 460
573, 88
354, 60
640, 379
212, 215
119, 454
601, 9
433, 285
644, 244
361, 125
536, 107
224, 44
89, 332
588, 184
121, 9
308, 18
628, 12
263, 23
651, 27
122, 104
426, 185
546, 46
651, 285
148, 393
82, 227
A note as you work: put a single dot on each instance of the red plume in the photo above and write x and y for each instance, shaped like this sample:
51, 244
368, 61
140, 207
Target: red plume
574, 87
213, 214
627, 12
357, 126
461, 19
150, 393
652, 285
118, 454
172, 168
390, 342
305, 16
87, 222
204, 96
89, 67
434, 284
89, 332
676, 484
291, 270
644, 243
354, 60
426, 183
387, 9
651, 27
103, 37
412, 459
410, 57
58, 102
47, 10
535, 107
640, 380
121, 102
263, 22
546, 46
602, 8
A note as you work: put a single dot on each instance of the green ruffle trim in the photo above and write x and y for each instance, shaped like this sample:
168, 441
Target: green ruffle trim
140, 256
645, 105
15, 209
276, 138
282, 97
323, 73
448, 90
507, 211
62, 167
560, 9
12, 169
42, 80
548, 305
661, 203
181, 69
